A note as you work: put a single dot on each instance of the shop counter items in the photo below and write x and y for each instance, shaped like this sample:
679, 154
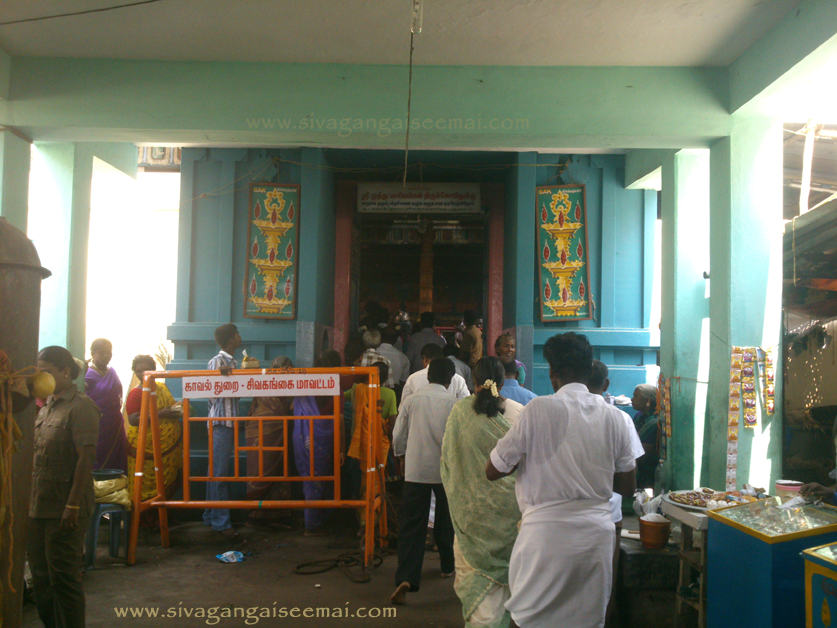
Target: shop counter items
709, 499
776, 517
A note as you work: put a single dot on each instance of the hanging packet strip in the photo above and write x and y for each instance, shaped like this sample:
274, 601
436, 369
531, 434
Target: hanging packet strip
766, 376
735, 385
748, 388
664, 391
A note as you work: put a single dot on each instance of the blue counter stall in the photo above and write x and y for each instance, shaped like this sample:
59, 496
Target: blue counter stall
756, 573
820, 585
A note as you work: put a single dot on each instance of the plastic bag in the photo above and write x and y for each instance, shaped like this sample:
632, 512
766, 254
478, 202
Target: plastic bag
120, 497
640, 498
644, 505
230, 557
106, 487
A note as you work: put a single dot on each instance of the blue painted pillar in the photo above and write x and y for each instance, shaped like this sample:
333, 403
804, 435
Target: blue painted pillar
14, 178
746, 287
315, 306
519, 256
685, 308
50, 228
649, 201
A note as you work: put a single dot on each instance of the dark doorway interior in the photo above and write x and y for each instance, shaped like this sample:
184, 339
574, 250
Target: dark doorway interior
412, 265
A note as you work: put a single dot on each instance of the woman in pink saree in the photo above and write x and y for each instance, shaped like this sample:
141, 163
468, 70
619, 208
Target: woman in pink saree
102, 385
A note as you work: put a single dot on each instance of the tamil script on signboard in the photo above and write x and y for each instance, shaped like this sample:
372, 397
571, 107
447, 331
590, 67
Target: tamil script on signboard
279, 385
427, 198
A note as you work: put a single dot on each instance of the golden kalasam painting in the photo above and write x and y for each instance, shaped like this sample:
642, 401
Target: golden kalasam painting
272, 251
562, 256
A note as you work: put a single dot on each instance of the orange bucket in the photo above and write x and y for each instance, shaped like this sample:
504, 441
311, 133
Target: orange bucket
654, 535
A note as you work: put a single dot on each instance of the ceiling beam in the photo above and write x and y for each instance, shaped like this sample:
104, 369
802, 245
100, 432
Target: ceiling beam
795, 136
795, 174
784, 56
798, 186
358, 106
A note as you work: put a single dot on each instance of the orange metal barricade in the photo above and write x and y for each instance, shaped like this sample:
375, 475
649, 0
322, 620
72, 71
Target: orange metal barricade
373, 475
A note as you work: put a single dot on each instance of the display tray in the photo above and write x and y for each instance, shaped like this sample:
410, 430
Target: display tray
766, 518
667, 498
828, 552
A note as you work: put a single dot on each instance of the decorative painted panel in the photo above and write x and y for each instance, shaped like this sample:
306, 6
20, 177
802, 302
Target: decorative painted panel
562, 251
272, 251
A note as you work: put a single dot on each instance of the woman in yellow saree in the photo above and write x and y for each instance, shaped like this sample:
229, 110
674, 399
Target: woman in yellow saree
171, 433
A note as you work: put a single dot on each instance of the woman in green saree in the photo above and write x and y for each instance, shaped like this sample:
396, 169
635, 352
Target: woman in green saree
485, 514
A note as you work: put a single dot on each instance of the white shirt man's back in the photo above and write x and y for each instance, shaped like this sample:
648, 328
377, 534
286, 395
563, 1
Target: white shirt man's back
568, 446
418, 381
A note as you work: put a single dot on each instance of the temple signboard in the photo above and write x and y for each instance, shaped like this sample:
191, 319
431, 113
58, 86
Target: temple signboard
562, 253
272, 251
418, 198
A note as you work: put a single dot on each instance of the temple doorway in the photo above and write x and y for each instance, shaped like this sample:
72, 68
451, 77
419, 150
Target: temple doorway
444, 263
417, 264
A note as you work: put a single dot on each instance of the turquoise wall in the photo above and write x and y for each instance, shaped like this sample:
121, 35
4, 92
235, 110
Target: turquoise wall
212, 254
621, 247
213, 244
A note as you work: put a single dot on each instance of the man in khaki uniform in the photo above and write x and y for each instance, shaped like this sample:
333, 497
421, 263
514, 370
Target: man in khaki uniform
471, 350
62, 500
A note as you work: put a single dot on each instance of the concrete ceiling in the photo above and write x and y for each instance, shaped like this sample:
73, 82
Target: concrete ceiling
456, 32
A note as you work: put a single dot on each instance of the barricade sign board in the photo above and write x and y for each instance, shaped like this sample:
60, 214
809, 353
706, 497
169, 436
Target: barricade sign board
268, 385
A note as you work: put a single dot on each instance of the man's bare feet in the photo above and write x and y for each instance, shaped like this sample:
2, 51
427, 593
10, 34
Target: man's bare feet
400, 595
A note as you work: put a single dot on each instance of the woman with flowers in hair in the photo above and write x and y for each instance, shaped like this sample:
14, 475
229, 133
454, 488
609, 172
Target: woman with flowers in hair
484, 514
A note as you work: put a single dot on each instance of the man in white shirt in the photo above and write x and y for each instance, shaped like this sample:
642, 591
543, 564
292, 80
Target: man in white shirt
570, 450
418, 433
427, 336
400, 365
418, 380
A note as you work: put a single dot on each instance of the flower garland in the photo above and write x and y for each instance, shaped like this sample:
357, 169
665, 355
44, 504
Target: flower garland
490, 385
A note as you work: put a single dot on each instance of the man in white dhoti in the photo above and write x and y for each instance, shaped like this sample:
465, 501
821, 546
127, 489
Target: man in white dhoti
570, 452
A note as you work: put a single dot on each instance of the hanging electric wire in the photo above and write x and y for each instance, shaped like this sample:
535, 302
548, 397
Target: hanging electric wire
85, 12
415, 27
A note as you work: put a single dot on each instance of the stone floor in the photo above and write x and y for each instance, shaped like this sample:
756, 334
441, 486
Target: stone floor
188, 577
185, 581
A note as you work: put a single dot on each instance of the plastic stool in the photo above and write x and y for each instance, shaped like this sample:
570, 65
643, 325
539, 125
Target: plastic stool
118, 521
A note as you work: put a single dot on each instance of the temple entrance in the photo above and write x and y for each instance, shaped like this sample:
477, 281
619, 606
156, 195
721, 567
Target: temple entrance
442, 262
418, 264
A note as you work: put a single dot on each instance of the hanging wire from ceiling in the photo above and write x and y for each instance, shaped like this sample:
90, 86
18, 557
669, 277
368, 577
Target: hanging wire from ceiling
415, 27
409, 102
57, 15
